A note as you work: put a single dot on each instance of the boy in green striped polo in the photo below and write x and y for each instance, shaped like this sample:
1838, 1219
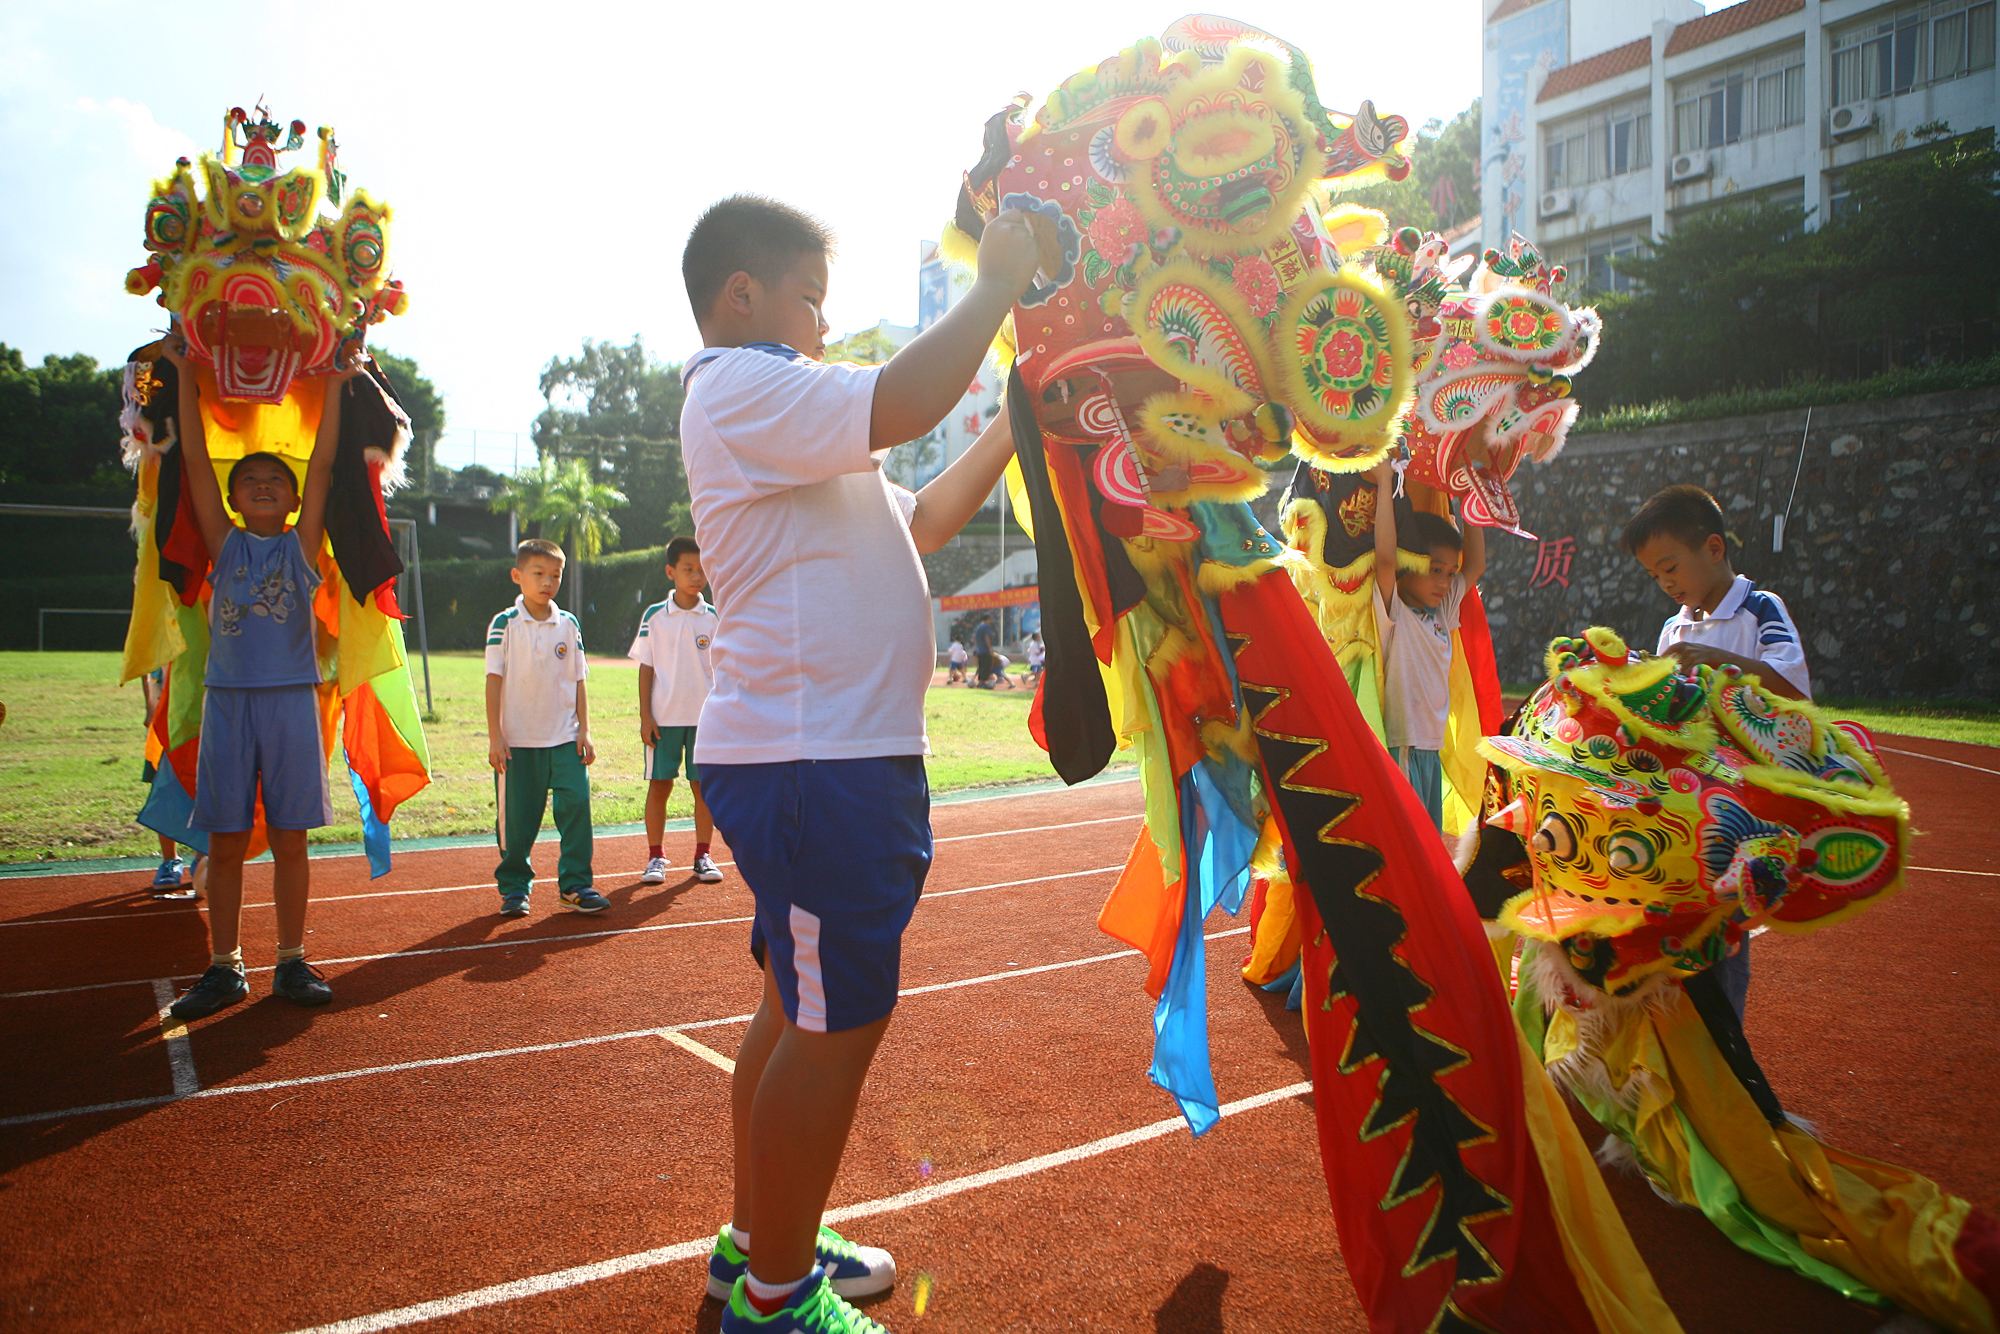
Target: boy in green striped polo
671, 649
538, 734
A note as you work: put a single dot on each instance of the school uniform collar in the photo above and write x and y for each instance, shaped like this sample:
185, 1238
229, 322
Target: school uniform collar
708, 354
702, 607
1732, 602
521, 606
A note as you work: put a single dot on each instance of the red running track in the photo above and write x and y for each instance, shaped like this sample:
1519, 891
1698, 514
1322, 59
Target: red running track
523, 1123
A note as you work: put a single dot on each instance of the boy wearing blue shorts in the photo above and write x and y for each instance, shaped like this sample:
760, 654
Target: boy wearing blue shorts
671, 649
538, 735
812, 740
260, 719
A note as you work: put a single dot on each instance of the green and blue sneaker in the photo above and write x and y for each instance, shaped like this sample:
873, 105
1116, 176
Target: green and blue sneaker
219, 986
856, 1271
584, 900
813, 1308
513, 905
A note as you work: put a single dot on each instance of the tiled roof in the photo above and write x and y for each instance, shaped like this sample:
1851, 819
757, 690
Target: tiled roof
1727, 22
1509, 8
1635, 54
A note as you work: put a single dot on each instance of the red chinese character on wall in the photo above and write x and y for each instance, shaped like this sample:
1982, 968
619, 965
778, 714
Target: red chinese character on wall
1552, 562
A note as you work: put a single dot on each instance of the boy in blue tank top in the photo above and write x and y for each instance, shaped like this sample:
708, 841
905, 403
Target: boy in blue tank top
260, 724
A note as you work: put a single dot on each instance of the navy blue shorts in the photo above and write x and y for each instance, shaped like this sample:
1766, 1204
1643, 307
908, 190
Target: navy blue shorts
835, 852
264, 737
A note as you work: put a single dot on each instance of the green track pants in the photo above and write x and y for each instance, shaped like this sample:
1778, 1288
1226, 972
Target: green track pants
521, 795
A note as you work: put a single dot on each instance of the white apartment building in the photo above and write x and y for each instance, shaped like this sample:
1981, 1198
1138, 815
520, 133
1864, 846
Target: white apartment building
1607, 119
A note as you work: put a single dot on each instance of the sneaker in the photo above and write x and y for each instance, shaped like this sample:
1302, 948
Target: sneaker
584, 900
856, 1271
219, 986
655, 872
168, 877
513, 905
706, 871
814, 1308
301, 983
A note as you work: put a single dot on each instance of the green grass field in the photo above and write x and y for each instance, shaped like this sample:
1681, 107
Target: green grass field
72, 742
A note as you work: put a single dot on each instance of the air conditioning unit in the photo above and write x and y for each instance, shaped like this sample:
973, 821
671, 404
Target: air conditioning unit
1850, 118
1557, 203
1689, 167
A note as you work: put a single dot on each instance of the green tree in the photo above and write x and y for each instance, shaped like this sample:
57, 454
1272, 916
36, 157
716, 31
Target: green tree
425, 405
619, 408
577, 513
1442, 189
59, 426
526, 494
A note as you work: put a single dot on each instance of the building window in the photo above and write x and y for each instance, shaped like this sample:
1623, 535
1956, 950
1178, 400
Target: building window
1756, 97
1594, 266
1911, 47
1609, 143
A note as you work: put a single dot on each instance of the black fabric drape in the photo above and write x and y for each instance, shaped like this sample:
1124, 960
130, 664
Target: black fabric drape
1076, 716
361, 543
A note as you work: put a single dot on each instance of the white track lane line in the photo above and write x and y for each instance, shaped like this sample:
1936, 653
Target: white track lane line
1939, 759
536, 1048
516, 942
558, 1280
142, 916
945, 801
1952, 870
180, 1056
693, 1048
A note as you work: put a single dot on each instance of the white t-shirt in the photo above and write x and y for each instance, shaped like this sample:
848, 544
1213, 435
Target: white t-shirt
673, 640
957, 654
823, 643
1751, 624
1416, 693
539, 663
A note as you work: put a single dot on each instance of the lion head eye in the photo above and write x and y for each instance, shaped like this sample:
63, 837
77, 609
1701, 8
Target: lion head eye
1555, 838
1630, 854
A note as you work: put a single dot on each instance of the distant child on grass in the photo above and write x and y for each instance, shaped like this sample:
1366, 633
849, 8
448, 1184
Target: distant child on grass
956, 657
671, 649
812, 743
538, 734
260, 720
1724, 620
1416, 613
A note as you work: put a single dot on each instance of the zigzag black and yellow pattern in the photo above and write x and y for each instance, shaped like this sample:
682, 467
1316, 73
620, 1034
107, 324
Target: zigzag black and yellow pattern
1364, 930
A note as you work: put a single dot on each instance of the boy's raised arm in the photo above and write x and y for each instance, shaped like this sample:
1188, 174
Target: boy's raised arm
1474, 564
1385, 533
922, 382
203, 492
311, 527
955, 495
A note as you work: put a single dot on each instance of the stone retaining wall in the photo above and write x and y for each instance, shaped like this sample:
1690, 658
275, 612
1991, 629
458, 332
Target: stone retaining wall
1889, 563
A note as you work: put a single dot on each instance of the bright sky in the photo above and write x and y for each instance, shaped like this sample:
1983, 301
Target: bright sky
544, 173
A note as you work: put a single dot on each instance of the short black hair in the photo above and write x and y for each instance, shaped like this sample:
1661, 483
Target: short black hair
681, 546
750, 233
1684, 512
278, 459
537, 546
1430, 531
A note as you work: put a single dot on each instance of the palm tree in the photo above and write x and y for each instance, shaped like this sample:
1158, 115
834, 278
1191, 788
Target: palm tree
525, 495
576, 510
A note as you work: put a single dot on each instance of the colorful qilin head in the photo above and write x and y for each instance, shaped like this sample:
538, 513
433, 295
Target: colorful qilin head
1497, 356
263, 286
1666, 812
1191, 319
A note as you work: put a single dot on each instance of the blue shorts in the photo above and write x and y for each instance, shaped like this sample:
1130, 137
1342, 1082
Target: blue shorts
665, 756
266, 737
835, 852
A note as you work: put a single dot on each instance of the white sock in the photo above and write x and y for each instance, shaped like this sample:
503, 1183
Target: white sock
233, 959
768, 1295
286, 953
739, 1238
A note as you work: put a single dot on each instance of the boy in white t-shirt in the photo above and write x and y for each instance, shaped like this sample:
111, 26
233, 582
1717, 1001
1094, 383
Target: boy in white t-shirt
812, 740
956, 656
671, 649
538, 734
1416, 613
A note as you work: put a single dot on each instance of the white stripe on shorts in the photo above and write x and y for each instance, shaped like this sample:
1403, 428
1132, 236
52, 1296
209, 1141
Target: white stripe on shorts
500, 808
647, 772
805, 965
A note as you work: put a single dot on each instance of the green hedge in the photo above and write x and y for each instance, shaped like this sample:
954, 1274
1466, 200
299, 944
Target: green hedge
1900, 383
461, 598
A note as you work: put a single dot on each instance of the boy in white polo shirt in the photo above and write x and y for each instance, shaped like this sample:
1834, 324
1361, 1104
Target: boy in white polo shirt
538, 734
1724, 620
671, 649
812, 741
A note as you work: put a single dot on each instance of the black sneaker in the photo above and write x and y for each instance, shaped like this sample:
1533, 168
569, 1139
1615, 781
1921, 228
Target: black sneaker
219, 986
301, 983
